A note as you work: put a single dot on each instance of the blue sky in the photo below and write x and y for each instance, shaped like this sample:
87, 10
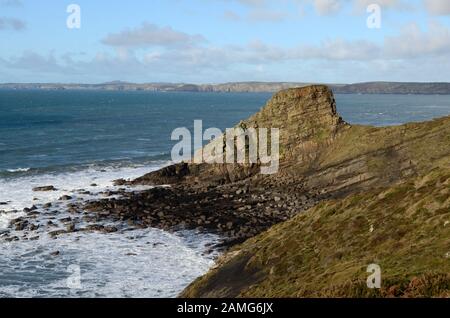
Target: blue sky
210, 41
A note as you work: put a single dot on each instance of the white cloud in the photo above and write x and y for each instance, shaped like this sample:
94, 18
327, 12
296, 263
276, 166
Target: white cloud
340, 49
384, 4
148, 35
330, 7
412, 42
326, 7
438, 7
35, 62
252, 3
412, 46
263, 15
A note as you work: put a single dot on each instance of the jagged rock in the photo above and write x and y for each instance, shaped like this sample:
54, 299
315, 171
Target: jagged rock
44, 189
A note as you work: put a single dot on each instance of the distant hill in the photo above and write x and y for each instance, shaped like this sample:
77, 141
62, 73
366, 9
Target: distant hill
393, 88
241, 87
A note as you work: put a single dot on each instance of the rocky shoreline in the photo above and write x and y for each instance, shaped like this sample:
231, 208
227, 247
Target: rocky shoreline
235, 212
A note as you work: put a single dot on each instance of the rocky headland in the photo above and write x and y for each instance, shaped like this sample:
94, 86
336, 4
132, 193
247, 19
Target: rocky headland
383, 196
345, 196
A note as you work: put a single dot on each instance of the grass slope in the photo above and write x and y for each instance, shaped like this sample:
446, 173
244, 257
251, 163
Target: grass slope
325, 252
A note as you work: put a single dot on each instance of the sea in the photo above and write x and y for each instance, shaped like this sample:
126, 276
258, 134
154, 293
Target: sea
80, 141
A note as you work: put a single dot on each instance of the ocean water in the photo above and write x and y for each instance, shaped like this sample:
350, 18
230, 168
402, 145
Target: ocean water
81, 141
390, 110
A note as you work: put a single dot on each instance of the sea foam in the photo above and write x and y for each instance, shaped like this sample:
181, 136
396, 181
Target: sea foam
129, 263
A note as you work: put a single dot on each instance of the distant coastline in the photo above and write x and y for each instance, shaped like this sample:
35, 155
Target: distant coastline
245, 87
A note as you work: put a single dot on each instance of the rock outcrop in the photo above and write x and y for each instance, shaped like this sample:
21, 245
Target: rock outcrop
307, 120
318, 150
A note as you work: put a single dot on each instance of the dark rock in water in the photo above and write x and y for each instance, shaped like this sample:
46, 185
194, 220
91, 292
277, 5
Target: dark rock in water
168, 175
110, 229
27, 210
3, 203
44, 189
56, 253
55, 234
47, 206
65, 198
120, 182
70, 228
94, 185
21, 225
94, 227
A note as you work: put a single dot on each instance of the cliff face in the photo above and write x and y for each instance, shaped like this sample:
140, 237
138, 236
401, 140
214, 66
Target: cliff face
318, 150
307, 120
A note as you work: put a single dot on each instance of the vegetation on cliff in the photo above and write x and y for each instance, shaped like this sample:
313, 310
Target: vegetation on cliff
390, 205
325, 251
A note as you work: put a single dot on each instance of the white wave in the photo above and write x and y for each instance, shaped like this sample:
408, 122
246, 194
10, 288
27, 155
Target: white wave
137, 263
18, 170
7, 217
144, 263
19, 194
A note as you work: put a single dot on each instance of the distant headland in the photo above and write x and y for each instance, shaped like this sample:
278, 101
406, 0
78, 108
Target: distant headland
241, 87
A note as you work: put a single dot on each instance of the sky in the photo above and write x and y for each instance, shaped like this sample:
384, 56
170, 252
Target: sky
216, 41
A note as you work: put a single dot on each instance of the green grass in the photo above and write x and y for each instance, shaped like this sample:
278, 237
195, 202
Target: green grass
325, 252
